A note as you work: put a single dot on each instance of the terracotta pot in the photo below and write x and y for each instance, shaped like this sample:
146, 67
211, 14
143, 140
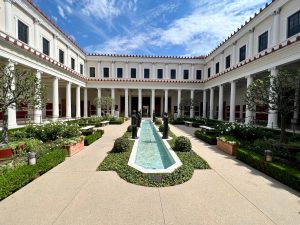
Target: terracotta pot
226, 147
73, 149
6, 153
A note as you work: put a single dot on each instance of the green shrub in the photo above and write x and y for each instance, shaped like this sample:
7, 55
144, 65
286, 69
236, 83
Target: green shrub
93, 137
121, 145
129, 128
158, 122
297, 157
210, 139
115, 120
86, 132
31, 145
182, 144
281, 172
161, 128
178, 121
50, 160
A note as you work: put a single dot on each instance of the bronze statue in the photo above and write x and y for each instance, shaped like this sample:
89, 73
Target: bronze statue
134, 123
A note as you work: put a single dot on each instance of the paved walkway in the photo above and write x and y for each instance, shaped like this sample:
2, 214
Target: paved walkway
74, 193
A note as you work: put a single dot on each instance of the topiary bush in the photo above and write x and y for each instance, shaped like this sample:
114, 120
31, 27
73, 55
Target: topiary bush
121, 145
158, 122
93, 137
129, 128
161, 128
182, 144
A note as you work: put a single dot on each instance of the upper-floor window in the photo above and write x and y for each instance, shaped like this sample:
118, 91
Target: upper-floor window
72, 63
46, 44
199, 74
61, 56
106, 72
173, 74
146, 73
263, 41
186, 74
133, 73
208, 72
159, 73
119, 72
92, 72
243, 53
22, 32
294, 24
81, 69
227, 61
217, 67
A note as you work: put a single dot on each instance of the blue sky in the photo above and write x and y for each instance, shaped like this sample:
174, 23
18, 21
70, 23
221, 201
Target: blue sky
150, 27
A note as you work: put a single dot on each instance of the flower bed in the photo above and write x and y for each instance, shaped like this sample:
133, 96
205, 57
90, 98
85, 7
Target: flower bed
73, 148
228, 144
210, 139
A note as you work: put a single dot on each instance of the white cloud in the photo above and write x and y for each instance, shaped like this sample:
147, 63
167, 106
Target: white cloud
61, 12
54, 18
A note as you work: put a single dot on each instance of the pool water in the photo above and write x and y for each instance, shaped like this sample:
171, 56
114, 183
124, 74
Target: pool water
151, 151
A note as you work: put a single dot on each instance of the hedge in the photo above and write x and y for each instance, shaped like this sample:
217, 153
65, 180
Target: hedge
210, 139
93, 137
280, 172
13, 179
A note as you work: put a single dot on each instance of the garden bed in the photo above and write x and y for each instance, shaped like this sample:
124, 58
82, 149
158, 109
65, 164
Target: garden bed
93, 137
208, 138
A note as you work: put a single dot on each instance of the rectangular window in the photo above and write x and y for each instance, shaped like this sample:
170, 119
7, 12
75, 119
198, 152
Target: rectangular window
185, 74
173, 74
208, 72
22, 32
105, 72
199, 74
263, 41
294, 24
217, 67
133, 72
227, 61
119, 72
146, 73
81, 69
61, 56
72, 63
92, 72
46, 44
243, 53
159, 73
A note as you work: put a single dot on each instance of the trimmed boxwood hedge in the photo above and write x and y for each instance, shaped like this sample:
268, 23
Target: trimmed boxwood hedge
13, 179
93, 137
278, 171
210, 139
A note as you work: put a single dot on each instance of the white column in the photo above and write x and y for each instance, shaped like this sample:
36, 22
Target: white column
140, 75
99, 69
178, 102
113, 70
113, 96
166, 101
167, 75
153, 71
221, 100
126, 103
273, 115
152, 102
180, 71
78, 108
211, 103
126, 70
12, 113
37, 34
140, 100
85, 102
232, 101
204, 103
8, 16
192, 107
276, 27
99, 105
55, 50
234, 54
38, 111
251, 43
68, 100
55, 113
249, 114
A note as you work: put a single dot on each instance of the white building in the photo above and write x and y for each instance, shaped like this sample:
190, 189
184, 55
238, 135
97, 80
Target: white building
262, 45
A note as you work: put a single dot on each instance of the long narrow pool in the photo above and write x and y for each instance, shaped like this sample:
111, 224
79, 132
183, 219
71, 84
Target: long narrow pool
152, 154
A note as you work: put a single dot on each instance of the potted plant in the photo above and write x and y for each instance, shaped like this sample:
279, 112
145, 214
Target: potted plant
228, 144
74, 145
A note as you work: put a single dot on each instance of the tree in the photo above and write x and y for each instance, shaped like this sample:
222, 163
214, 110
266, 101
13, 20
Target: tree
275, 93
104, 102
19, 88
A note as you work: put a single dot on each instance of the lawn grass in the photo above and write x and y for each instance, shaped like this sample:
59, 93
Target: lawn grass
119, 162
